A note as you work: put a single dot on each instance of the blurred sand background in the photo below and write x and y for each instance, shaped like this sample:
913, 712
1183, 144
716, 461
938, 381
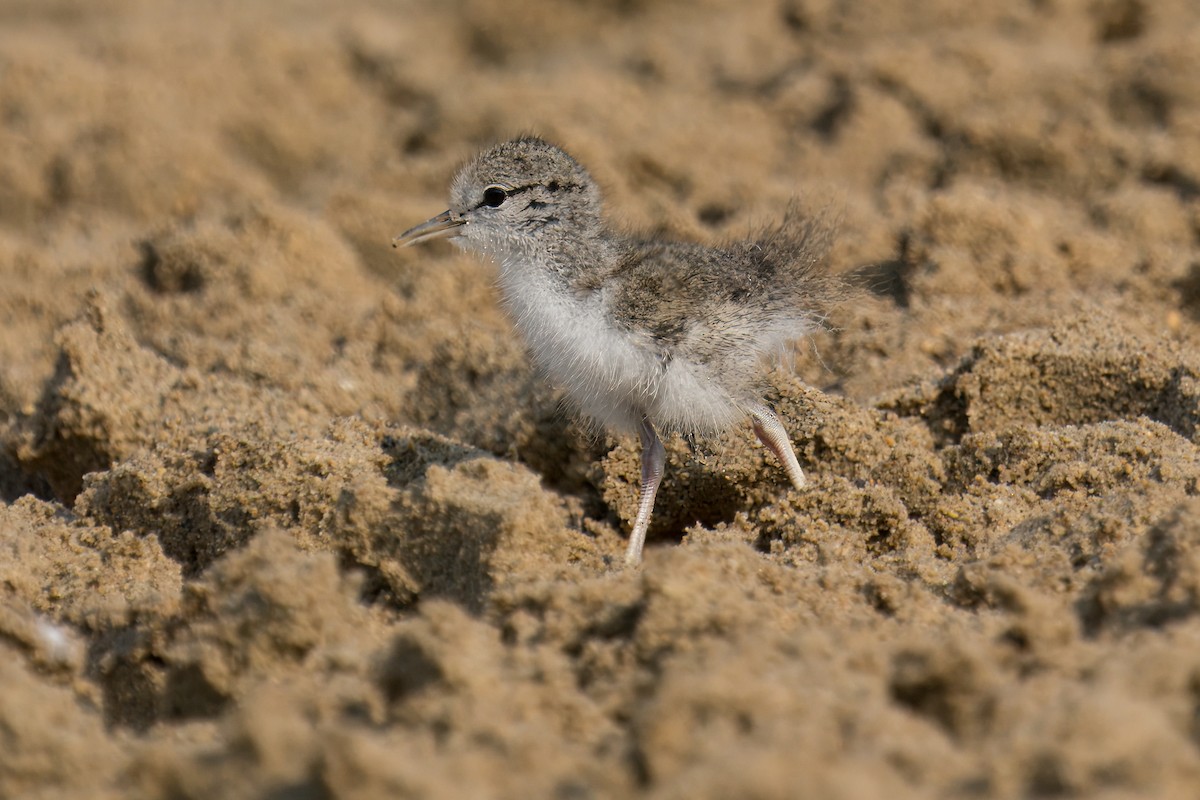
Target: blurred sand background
285, 513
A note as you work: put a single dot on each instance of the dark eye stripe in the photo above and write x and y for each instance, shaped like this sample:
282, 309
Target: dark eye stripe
553, 186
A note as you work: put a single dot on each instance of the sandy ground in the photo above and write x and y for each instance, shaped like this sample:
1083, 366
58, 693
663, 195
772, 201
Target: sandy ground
286, 514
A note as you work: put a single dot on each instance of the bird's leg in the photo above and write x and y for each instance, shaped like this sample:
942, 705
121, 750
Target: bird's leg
771, 433
653, 460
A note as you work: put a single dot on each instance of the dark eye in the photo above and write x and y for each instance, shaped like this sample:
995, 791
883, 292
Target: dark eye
494, 196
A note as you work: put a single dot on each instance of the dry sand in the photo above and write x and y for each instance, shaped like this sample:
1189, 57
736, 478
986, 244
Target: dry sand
285, 513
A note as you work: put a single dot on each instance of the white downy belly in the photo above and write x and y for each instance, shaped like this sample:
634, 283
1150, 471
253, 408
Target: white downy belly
614, 376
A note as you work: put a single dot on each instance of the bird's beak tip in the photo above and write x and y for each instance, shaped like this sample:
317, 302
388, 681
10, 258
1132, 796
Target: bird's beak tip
441, 226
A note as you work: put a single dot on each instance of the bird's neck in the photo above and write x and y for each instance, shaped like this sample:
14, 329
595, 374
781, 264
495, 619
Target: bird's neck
570, 264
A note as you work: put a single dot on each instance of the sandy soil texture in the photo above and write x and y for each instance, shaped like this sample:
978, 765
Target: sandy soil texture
285, 513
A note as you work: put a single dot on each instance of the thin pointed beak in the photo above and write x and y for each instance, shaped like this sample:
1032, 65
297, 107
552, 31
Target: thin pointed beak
440, 227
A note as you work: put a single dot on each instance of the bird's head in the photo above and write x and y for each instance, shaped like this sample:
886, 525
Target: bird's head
515, 196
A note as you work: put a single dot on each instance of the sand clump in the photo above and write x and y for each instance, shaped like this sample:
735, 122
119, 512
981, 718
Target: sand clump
286, 513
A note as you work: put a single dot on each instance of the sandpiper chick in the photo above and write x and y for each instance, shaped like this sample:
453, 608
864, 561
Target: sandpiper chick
643, 335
